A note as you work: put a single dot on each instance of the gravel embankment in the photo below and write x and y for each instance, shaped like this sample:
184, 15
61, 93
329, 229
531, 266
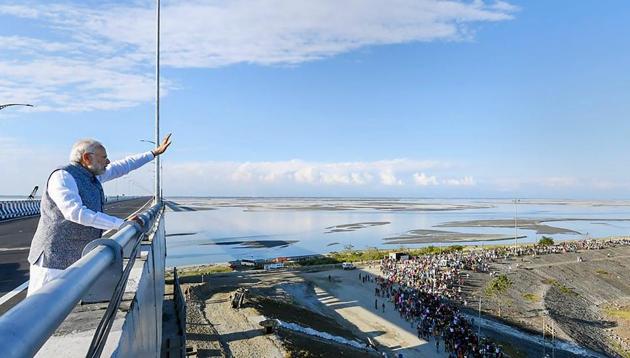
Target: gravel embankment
578, 317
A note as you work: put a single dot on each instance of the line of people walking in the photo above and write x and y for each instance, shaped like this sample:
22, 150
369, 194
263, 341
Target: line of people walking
426, 291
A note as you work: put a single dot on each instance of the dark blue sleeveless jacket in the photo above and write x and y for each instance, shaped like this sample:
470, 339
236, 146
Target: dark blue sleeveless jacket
61, 241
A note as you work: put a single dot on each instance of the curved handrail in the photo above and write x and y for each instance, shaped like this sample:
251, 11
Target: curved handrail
26, 327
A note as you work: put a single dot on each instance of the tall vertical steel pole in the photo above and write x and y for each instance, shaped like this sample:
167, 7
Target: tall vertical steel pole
515, 224
158, 192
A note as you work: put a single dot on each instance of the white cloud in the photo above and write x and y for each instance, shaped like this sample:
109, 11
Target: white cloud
306, 175
19, 11
302, 172
422, 179
465, 181
397, 177
504, 6
361, 178
389, 178
101, 57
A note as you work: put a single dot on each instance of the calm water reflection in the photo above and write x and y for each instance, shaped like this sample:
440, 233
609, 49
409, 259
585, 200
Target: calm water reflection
234, 230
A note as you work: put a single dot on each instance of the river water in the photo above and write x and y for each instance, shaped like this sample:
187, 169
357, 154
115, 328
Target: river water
221, 230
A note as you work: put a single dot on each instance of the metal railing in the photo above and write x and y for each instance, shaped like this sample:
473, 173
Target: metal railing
13, 209
27, 326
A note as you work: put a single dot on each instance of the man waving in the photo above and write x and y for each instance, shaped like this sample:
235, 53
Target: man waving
72, 207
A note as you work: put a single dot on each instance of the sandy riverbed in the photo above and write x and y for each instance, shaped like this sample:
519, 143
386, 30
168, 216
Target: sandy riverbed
574, 297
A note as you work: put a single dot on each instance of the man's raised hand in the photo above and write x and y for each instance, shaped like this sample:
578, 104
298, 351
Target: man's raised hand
166, 142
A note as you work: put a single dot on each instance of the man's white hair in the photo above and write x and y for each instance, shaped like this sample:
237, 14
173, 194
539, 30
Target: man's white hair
83, 146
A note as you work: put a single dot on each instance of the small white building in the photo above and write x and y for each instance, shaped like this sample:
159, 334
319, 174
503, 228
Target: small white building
276, 266
399, 256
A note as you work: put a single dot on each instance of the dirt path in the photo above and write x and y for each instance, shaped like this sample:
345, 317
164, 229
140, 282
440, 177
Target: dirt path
200, 333
572, 262
239, 329
354, 301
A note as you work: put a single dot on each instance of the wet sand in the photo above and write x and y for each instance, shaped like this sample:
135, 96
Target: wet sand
255, 244
262, 204
526, 224
355, 226
423, 236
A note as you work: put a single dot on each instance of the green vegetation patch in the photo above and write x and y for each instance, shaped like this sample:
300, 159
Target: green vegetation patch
601, 272
545, 241
325, 260
374, 254
202, 270
432, 250
618, 312
549, 281
566, 290
498, 285
531, 297
616, 346
562, 288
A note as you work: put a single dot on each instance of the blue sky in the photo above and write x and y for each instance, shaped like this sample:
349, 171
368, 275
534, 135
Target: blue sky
374, 98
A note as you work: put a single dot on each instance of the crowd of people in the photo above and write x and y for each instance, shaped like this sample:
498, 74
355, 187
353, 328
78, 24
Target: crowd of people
438, 274
560, 248
434, 317
426, 291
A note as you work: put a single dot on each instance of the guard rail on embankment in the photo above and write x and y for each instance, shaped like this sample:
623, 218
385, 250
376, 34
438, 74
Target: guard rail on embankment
101, 275
14, 209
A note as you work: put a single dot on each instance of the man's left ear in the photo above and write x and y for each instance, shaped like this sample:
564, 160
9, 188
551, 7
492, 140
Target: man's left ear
86, 158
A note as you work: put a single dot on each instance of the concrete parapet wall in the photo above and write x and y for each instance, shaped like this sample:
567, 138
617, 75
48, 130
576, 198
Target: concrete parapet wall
141, 334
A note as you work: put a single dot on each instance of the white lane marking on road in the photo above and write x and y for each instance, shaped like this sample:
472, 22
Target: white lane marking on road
13, 293
14, 249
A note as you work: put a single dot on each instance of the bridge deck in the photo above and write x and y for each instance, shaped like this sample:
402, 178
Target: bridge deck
16, 236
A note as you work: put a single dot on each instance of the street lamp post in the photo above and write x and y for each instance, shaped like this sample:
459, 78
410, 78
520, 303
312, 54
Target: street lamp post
3, 106
158, 190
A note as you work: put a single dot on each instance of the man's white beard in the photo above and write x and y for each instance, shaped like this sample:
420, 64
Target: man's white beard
95, 169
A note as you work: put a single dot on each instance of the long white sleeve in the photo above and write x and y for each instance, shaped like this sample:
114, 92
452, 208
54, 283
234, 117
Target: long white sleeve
63, 190
121, 167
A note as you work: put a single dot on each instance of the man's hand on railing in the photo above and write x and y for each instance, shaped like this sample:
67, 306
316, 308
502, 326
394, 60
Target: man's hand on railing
138, 222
